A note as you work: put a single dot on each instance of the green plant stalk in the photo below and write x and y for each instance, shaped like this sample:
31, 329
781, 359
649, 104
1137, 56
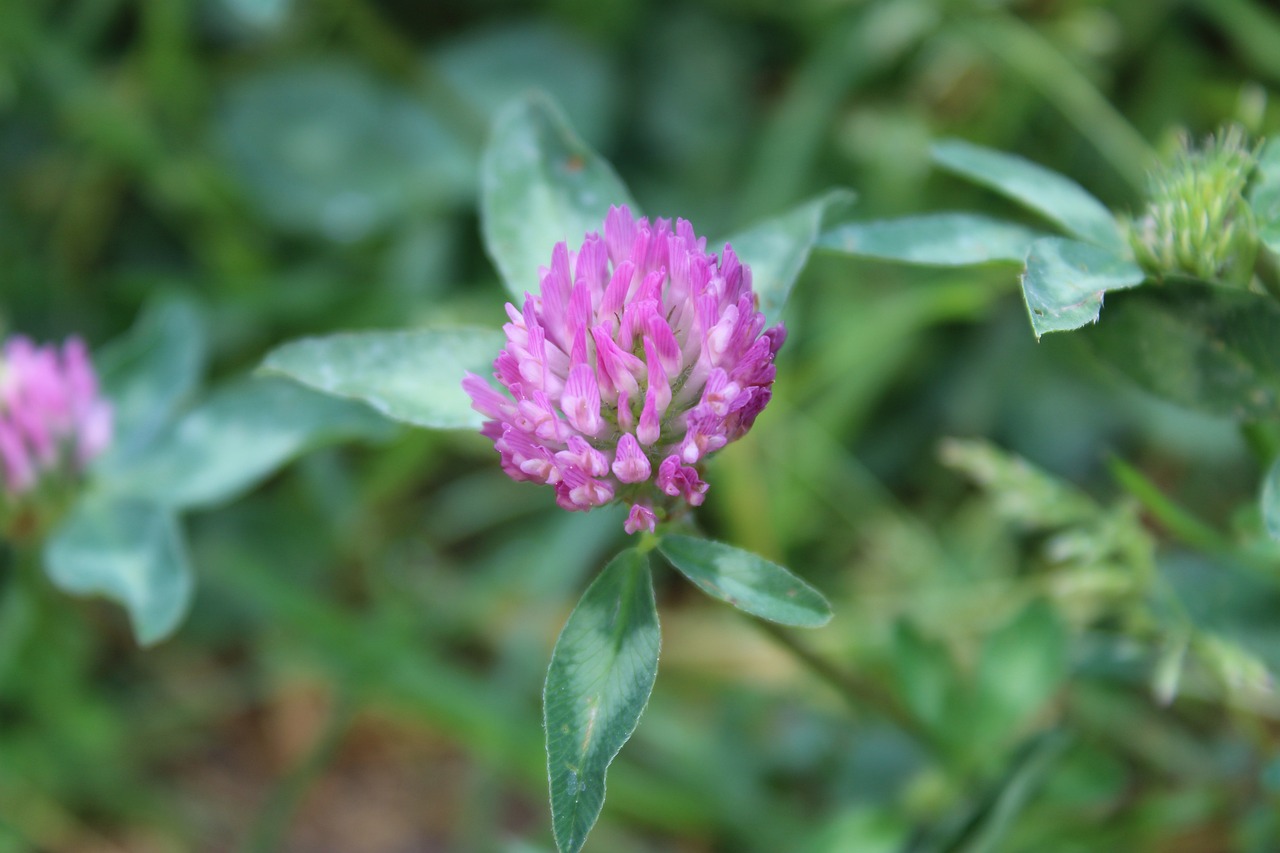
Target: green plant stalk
1038, 61
1182, 524
1267, 272
271, 827
19, 604
861, 694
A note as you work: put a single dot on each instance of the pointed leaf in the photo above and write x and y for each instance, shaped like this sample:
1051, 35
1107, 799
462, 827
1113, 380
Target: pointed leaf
1054, 196
539, 185
1202, 346
413, 376
151, 371
129, 551
601, 674
236, 438
936, 239
777, 249
747, 581
1065, 280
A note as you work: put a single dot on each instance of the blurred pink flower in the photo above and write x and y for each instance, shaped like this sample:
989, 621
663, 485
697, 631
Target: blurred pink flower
641, 355
52, 418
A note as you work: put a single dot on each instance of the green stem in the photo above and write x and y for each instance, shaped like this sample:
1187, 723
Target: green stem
1268, 273
859, 692
19, 605
1038, 61
268, 832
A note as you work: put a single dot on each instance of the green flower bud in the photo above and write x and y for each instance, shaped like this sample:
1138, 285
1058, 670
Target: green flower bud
1197, 221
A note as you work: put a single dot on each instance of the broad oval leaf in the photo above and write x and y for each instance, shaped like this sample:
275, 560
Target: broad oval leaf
1065, 280
1052, 195
238, 437
747, 581
1209, 348
130, 551
411, 376
1271, 500
151, 371
601, 674
327, 148
540, 185
777, 249
935, 239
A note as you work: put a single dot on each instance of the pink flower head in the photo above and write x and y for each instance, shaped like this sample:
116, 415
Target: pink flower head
52, 417
641, 354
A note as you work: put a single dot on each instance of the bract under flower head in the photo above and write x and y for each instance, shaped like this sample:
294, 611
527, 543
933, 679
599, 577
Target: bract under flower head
52, 419
641, 355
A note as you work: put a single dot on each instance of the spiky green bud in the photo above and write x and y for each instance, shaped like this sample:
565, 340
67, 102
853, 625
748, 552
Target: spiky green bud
1197, 221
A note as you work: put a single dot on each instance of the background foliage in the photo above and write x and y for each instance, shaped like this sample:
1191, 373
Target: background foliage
1069, 654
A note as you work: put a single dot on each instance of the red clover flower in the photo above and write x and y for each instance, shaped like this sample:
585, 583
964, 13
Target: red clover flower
52, 419
641, 355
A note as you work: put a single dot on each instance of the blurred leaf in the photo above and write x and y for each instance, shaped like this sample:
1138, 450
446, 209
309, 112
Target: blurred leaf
413, 376
236, 438
1022, 493
540, 185
491, 66
1271, 500
1264, 197
1166, 675
601, 674
860, 829
130, 551
1054, 196
924, 672
328, 149
937, 239
990, 819
777, 249
151, 371
1022, 665
747, 581
1209, 348
1065, 280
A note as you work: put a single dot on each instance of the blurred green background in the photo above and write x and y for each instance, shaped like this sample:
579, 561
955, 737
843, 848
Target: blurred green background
1057, 662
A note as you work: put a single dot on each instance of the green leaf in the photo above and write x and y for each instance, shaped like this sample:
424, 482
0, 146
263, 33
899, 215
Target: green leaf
1271, 500
490, 66
925, 674
236, 438
1023, 662
1209, 348
777, 249
1264, 197
1065, 280
747, 581
327, 148
601, 674
412, 376
1054, 196
540, 185
936, 239
129, 551
151, 371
